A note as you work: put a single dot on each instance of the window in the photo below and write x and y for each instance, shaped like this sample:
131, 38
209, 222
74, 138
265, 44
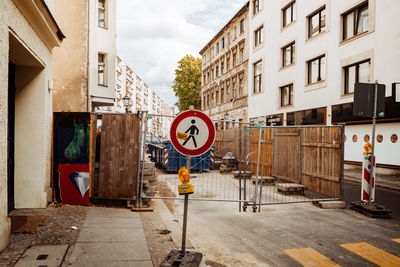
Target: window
241, 85
286, 93
222, 67
355, 21
216, 48
101, 68
216, 72
228, 90
257, 68
233, 59
241, 53
256, 6
101, 5
234, 89
258, 36
288, 54
317, 22
356, 73
223, 42
289, 14
316, 69
234, 32
242, 26
216, 97
222, 95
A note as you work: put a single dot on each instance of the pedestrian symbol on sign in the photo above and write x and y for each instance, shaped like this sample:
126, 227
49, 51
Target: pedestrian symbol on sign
193, 130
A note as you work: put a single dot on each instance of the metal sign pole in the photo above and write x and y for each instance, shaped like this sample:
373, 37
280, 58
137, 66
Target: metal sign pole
185, 211
372, 176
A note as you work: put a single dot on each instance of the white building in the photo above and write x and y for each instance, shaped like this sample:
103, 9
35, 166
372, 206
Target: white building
28, 34
142, 98
312, 53
102, 53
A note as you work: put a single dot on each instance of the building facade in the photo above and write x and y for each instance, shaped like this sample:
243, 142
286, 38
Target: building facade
142, 98
314, 52
225, 70
84, 70
28, 34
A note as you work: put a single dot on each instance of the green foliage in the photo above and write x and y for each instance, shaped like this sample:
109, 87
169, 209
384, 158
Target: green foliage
187, 83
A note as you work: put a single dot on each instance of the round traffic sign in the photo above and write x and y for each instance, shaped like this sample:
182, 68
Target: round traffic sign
192, 133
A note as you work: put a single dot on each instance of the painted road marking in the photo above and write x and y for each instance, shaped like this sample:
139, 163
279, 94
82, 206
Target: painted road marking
373, 254
396, 240
309, 257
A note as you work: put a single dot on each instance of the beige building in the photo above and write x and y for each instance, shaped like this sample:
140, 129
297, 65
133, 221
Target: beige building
225, 70
28, 34
84, 65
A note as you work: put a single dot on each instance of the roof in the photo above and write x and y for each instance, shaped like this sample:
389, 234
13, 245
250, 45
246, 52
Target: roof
240, 12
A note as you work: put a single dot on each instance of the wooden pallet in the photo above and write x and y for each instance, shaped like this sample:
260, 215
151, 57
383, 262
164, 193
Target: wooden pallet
265, 180
290, 189
242, 174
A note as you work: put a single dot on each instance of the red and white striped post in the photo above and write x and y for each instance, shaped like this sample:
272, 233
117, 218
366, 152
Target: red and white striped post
212, 155
368, 176
166, 157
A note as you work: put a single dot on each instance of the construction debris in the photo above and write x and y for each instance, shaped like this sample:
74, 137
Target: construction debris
264, 180
290, 189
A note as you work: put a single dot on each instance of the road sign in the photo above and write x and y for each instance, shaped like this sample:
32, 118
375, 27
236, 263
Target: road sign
192, 133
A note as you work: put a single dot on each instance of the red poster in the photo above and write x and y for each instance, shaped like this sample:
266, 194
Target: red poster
74, 183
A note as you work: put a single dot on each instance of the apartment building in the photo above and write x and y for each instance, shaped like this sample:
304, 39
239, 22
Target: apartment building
84, 69
142, 98
313, 53
28, 34
225, 70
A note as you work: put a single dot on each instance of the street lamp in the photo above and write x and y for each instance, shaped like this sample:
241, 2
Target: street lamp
126, 101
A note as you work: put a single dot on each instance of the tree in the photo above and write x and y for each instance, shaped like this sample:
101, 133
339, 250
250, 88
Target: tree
187, 83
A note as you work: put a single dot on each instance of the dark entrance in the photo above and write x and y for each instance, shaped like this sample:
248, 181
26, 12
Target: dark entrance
11, 136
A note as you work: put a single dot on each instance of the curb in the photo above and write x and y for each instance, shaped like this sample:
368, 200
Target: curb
378, 185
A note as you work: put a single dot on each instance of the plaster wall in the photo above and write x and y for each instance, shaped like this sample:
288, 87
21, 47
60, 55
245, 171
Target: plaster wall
70, 77
37, 166
102, 40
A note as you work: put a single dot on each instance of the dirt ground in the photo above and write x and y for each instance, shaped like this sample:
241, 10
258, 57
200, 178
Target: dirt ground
55, 230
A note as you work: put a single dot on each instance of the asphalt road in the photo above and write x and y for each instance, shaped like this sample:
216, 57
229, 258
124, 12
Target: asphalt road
388, 198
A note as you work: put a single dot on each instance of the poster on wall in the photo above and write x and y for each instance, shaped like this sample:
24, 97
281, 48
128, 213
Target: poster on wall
74, 183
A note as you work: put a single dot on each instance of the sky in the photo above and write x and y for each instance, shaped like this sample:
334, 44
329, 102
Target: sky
153, 35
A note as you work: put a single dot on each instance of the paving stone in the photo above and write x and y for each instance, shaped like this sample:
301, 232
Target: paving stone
103, 235
48, 256
112, 222
103, 252
111, 213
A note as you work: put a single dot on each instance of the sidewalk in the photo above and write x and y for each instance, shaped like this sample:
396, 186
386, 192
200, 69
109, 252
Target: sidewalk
111, 237
390, 182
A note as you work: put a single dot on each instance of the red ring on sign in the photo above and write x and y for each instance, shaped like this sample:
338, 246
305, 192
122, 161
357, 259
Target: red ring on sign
211, 136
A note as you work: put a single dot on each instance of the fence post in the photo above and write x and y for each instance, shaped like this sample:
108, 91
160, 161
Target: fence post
301, 157
257, 168
144, 116
342, 164
139, 177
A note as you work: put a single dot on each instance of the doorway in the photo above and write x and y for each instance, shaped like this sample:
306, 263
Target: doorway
11, 137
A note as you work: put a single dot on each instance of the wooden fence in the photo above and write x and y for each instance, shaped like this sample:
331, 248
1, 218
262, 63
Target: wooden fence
311, 156
114, 168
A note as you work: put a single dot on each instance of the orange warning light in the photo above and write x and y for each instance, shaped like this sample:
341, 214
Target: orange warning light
184, 175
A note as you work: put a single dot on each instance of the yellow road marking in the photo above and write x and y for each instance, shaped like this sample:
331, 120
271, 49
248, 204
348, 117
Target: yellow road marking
373, 254
396, 240
309, 257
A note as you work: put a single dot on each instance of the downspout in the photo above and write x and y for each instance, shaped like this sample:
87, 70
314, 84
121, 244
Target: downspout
88, 60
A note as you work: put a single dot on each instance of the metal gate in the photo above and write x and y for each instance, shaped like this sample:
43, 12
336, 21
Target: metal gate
252, 165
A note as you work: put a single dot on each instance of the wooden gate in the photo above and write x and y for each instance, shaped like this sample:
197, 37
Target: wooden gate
117, 161
286, 154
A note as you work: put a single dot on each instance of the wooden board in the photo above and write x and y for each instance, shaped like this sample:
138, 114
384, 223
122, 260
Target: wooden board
119, 156
286, 154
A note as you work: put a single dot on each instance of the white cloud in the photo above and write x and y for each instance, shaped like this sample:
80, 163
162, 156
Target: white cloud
153, 35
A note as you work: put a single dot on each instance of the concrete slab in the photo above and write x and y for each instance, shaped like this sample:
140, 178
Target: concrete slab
111, 213
112, 263
43, 256
110, 252
332, 204
112, 222
100, 235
